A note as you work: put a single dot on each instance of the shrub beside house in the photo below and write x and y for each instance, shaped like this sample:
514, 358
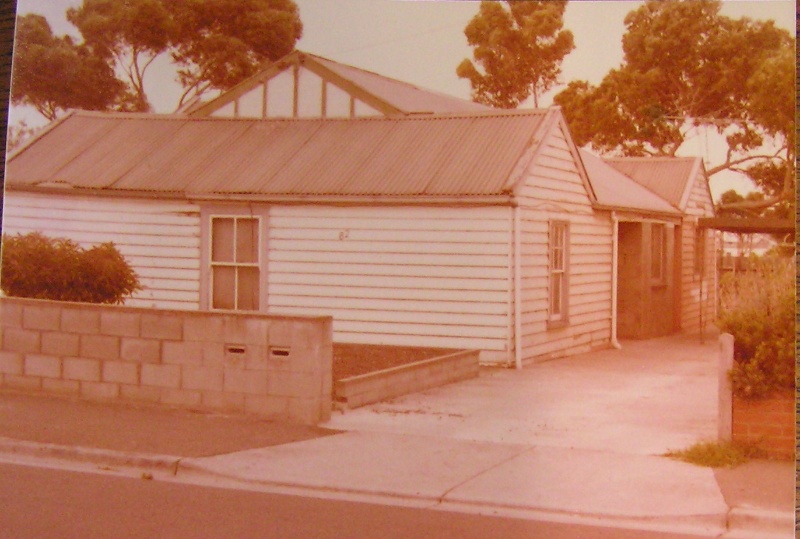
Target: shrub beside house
757, 307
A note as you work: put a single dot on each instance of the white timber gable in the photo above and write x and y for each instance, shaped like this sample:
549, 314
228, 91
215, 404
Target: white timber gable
565, 289
296, 92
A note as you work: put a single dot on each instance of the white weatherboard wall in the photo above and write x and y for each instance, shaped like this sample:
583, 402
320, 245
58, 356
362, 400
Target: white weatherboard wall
553, 190
412, 276
699, 292
159, 239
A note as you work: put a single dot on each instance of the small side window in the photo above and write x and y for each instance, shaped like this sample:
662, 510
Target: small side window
658, 253
559, 273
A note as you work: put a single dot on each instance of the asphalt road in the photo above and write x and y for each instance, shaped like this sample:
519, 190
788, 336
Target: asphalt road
45, 503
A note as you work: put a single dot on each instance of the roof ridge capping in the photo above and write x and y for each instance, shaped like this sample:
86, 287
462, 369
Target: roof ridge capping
492, 113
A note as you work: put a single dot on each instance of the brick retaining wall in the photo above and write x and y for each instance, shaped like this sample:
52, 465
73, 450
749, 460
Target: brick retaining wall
768, 423
274, 366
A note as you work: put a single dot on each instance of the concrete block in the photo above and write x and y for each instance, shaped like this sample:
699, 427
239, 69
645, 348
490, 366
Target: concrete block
139, 393
305, 356
11, 363
307, 411
220, 400
206, 378
180, 397
10, 314
245, 356
65, 387
140, 350
21, 340
85, 321
162, 326
45, 366
213, 353
120, 323
161, 375
182, 353
280, 333
60, 344
267, 406
204, 327
120, 372
42, 317
99, 347
246, 330
28, 383
99, 390
294, 385
87, 370
242, 381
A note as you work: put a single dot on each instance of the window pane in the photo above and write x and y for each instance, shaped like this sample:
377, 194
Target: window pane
555, 298
222, 240
558, 259
224, 287
699, 251
657, 252
248, 289
247, 240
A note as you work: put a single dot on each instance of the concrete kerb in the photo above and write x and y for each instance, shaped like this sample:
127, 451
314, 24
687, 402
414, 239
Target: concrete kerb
707, 525
750, 522
99, 457
738, 523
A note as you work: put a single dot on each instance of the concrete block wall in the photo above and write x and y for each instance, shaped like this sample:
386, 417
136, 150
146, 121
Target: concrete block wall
273, 366
404, 379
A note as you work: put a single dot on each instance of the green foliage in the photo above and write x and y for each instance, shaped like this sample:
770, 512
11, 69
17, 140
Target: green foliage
214, 44
717, 454
219, 43
53, 74
131, 34
757, 307
34, 266
687, 66
520, 50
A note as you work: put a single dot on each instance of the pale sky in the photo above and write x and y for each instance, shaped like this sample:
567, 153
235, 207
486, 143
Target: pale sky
422, 42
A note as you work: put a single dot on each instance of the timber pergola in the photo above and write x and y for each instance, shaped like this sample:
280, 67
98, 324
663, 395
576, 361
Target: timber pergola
748, 225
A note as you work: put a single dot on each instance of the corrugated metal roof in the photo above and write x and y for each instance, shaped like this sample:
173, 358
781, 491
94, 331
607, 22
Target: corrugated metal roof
668, 177
444, 155
616, 190
407, 97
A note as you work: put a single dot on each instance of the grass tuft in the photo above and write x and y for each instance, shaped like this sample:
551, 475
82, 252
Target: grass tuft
717, 454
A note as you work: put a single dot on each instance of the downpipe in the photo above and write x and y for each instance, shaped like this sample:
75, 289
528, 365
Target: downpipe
614, 272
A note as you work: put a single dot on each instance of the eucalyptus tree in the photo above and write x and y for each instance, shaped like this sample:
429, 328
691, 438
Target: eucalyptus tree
686, 66
518, 47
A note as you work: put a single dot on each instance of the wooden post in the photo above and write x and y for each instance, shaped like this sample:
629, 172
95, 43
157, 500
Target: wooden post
725, 411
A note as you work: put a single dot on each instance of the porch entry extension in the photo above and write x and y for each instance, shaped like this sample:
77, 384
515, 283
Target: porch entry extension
647, 305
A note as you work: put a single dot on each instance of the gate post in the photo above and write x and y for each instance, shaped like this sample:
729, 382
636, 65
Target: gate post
725, 409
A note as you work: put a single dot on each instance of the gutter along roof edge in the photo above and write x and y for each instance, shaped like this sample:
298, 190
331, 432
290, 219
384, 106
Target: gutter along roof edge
335, 200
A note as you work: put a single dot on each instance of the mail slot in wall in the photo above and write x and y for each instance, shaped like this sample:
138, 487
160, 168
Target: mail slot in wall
236, 349
279, 352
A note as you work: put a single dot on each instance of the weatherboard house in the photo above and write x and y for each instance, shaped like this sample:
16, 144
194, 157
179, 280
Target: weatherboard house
413, 218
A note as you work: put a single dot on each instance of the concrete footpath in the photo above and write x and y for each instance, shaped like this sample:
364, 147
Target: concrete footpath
576, 440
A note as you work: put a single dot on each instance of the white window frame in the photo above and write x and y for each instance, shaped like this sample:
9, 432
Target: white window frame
234, 264
700, 248
558, 274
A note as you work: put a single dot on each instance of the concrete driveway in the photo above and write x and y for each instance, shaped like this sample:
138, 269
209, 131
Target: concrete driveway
647, 398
